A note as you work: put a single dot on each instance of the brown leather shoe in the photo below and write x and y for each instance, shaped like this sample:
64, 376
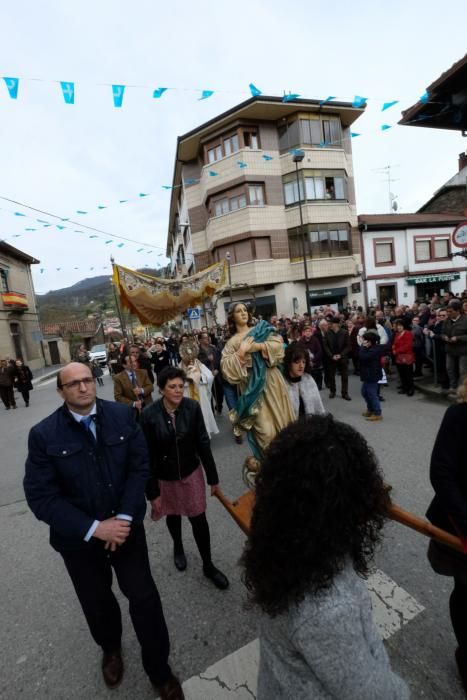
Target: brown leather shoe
112, 668
171, 690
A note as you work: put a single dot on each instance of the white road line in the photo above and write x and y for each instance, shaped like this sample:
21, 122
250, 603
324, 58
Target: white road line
235, 676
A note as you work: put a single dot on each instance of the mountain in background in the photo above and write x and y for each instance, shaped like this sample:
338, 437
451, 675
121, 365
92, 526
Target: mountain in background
91, 296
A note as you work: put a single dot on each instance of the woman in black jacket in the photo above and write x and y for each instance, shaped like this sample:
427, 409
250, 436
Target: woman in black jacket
22, 380
448, 510
178, 445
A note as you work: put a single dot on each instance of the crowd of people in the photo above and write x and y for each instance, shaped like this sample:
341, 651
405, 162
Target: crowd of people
92, 463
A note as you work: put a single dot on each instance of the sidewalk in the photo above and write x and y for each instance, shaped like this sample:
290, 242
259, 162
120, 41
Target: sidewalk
44, 373
426, 385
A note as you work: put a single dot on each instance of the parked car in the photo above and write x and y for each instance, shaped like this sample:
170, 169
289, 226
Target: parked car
98, 353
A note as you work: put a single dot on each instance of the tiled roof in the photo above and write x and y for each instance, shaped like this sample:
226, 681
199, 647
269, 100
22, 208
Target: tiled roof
67, 327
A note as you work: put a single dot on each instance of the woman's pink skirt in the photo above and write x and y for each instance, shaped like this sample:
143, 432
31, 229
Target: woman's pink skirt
184, 497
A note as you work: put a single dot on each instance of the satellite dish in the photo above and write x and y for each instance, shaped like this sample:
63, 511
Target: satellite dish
395, 206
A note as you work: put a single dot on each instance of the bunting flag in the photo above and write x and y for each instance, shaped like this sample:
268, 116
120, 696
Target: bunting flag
117, 93
68, 90
12, 86
387, 105
359, 101
205, 94
291, 97
241, 164
385, 127
155, 300
159, 92
254, 90
328, 99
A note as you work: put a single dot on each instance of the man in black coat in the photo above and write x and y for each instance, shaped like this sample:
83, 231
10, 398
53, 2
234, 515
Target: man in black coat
86, 474
337, 348
7, 376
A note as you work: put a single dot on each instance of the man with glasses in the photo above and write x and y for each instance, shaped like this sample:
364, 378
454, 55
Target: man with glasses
86, 474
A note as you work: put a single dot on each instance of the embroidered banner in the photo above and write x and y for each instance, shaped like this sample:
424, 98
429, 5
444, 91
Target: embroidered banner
155, 300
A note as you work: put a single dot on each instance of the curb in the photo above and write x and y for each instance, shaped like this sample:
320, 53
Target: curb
44, 377
434, 392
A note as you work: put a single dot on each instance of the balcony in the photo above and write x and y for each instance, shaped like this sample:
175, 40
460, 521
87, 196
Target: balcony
14, 301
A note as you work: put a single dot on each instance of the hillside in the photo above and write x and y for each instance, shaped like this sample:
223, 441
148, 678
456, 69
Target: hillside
89, 296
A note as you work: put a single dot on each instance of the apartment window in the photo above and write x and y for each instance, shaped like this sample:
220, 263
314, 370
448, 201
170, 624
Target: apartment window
250, 139
245, 251
231, 145
180, 255
317, 184
256, 195
384, 251
4, 281
321, 241
239, 198
263, 248
432, 248
214, 153
314, 131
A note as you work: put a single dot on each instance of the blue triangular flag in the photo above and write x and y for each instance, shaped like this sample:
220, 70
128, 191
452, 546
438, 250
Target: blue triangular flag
46, 225
61, 227
65, 219
41, 221
386, 105
12, 85
58, 269
328, 99
290, 97
93, 236
241, 164
77, 231
18, 213
143, 194
265, 157
91, 268
30, 229
79, 211
424, 98
354, 134
139, 250
120, 245
42, 270
101, 206
117, 93
205, 94
122, 201
254, 90
108, 242
68, 90
359, 101
159, 92
385, 127
16, 235
166, 187
212, 173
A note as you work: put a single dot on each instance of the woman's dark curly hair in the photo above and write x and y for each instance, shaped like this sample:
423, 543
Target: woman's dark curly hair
230, 319
320, 500
293, 353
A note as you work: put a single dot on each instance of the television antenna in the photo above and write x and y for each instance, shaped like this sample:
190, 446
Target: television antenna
386, 171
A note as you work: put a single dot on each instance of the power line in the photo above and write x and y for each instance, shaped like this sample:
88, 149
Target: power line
79, 223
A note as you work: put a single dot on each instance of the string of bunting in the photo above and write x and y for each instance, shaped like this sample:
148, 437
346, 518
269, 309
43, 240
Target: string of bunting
117, 91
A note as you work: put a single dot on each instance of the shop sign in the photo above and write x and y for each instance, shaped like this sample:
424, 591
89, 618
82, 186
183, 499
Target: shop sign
325, 293
429, 279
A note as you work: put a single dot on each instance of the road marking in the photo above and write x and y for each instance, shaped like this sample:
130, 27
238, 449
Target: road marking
235, 676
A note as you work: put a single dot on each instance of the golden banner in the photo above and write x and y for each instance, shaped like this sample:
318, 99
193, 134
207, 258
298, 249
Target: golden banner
155, 300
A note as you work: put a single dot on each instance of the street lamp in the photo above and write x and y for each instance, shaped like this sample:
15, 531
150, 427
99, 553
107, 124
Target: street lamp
227, 255
297, 158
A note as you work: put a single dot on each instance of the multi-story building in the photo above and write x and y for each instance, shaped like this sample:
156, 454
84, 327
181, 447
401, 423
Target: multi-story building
20, 333
235, 195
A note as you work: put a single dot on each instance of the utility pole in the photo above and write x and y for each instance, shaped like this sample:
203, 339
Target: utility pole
386, 171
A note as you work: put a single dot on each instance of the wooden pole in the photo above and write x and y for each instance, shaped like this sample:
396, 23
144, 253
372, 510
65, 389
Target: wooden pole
242, 508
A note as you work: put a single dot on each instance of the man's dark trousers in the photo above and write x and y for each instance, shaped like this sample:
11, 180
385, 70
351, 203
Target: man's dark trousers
90, 570
334, 366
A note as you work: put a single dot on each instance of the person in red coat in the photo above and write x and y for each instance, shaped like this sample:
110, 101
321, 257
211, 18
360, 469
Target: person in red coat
404, 357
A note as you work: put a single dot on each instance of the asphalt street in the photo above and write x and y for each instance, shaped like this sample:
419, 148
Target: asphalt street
46, 650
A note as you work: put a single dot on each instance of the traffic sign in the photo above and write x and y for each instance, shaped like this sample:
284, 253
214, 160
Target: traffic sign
193, 314
459, 235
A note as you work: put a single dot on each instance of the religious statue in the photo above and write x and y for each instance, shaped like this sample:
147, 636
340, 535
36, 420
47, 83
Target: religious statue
250, 360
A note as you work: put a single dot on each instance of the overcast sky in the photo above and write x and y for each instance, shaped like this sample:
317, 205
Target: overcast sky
62, 158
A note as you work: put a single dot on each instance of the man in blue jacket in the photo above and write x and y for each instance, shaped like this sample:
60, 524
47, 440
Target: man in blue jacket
370, 355
86, 474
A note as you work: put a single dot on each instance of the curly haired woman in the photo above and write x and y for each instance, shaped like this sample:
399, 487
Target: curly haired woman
320, 507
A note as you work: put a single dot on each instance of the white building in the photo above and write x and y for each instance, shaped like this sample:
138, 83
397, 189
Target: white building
408, 257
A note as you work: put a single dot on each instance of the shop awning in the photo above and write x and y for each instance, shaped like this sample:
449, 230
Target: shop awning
429, 279
326, 293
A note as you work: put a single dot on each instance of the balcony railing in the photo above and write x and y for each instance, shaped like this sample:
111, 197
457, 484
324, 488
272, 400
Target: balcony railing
14, 300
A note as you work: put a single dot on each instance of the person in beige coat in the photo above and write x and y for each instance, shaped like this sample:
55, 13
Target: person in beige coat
132, 386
